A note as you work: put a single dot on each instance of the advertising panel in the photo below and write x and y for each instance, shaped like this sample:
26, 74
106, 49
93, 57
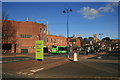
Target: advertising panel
39, 50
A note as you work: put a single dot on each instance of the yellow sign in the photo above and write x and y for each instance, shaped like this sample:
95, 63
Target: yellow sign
39, 49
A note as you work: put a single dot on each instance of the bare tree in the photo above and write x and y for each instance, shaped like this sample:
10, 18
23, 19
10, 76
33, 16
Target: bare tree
8, 30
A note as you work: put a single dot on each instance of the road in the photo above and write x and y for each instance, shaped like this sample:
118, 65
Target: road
110, 56
81, 69
25, 58
99, 68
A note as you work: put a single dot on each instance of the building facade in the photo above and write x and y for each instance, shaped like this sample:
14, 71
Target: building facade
24, 36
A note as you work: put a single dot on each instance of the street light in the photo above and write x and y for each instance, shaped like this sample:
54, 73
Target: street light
67, 11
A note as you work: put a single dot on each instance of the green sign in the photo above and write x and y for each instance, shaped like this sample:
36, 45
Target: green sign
39, 49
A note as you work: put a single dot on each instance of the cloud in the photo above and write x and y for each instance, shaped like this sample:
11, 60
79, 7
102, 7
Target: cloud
109, 7
106, 9
92, 13
89, 13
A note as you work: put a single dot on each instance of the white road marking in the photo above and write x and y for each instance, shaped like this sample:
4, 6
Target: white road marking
24, 73
19, 73
36, 70
30, 74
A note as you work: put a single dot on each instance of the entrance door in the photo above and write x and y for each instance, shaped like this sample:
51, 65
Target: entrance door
15, 48
6, 48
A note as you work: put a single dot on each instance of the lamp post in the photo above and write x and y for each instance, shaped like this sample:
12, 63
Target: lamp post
67, 12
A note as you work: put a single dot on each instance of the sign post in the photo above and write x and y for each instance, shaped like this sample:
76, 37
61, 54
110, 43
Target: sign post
39, 50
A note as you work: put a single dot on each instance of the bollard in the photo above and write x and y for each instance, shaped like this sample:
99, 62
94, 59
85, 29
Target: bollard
75, 57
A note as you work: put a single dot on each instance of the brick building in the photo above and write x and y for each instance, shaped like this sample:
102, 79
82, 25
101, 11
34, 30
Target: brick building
95, 38
24, 34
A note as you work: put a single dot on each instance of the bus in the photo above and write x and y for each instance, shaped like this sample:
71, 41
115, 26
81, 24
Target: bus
59, 49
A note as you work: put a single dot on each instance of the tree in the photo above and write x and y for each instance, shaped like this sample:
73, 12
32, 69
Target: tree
9, 37
80, 38
106, 39
90, 38
8, 30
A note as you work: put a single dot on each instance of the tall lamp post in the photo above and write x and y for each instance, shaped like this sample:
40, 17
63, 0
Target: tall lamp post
67, 12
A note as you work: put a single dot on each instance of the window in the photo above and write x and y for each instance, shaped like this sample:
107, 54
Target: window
44, 29
40, 29
54, 40
51, 40
60, 41
47, 40
25, 36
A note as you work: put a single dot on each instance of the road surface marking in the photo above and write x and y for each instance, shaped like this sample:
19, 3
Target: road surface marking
19, 73
36, 70
30, 74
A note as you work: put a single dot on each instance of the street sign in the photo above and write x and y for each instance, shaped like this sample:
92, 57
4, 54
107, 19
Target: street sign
39, 50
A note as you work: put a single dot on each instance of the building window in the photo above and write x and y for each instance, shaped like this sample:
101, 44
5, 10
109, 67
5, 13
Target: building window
51, 40
40, 29
54, 40
47, 40
25, 36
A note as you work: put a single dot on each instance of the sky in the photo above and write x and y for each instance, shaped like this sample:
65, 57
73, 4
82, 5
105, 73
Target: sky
86, 19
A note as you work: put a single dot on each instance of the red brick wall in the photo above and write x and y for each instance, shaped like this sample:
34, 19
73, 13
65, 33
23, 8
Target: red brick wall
32, 28
60, 41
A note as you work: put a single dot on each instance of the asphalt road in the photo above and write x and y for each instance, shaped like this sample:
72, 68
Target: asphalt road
25, 58
80, 70
110, 56
100, 68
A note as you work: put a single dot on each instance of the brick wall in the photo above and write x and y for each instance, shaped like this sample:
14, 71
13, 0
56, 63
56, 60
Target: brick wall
28, 32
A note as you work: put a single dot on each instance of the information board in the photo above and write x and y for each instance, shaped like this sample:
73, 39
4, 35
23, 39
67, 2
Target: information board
39, 50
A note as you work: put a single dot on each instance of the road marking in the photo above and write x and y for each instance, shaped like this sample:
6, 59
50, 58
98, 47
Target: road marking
19, 72
25, 73
36, 70
30, 74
